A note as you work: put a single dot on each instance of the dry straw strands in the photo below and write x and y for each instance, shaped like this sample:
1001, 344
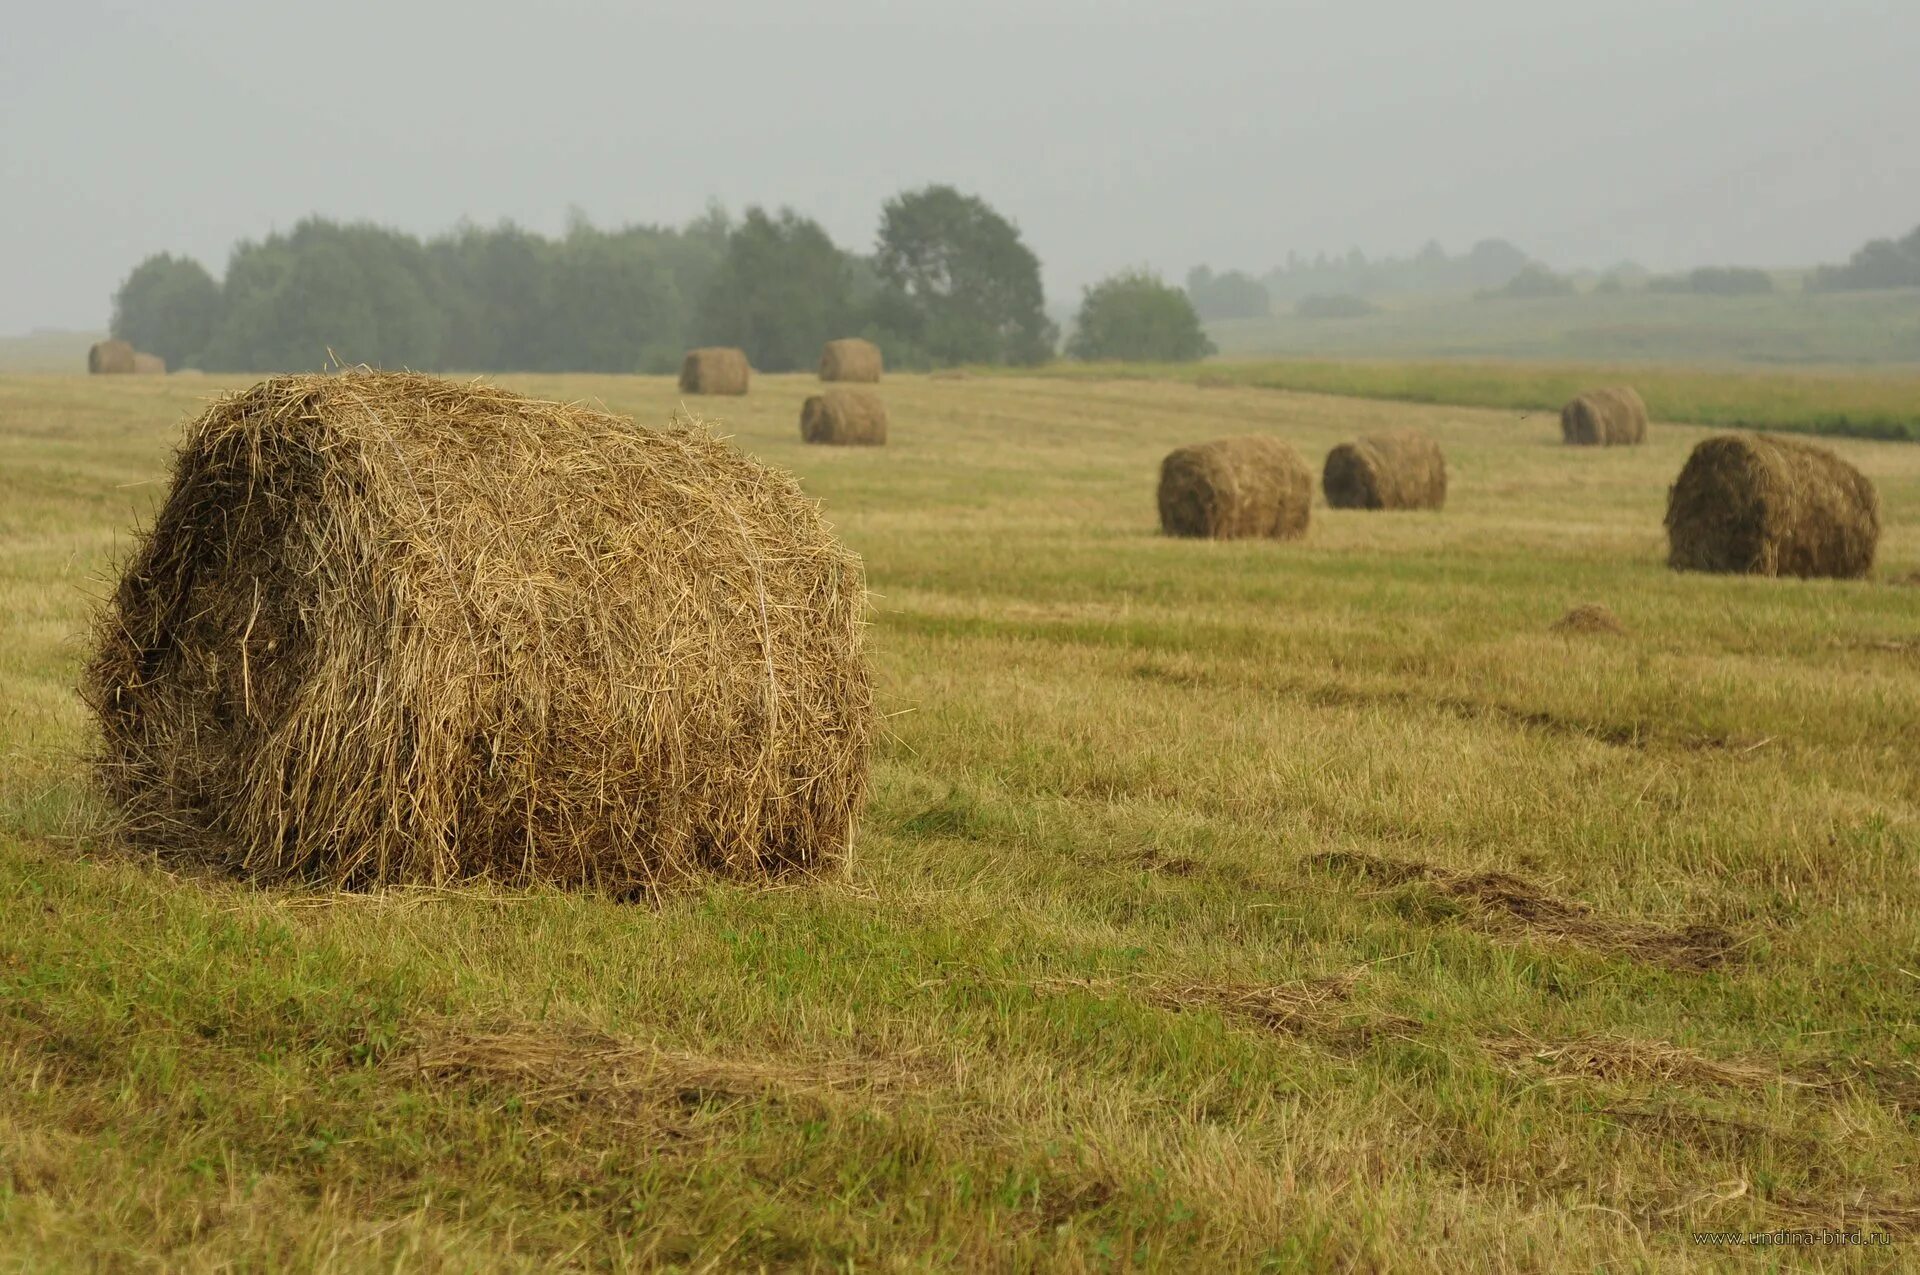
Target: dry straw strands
110, 357
149, 364
1235, 488
1760, 505
1614, 417
389, 628
1401, 469
853, 417
851, 359
714, 369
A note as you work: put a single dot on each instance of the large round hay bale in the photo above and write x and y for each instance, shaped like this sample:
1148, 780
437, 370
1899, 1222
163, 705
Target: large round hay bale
1760, 505
714, 369
149, 364
850, 359
1235, 488
115, 357
849, 417
1401, 469
1612, 417
391, 628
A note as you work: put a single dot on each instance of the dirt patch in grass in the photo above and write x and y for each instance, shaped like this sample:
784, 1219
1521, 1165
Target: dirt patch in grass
1590, 617
1504, 901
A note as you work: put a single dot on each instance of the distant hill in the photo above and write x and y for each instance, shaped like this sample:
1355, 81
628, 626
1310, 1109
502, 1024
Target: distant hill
47, 350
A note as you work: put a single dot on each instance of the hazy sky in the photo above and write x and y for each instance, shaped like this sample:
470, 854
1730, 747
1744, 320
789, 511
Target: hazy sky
1767, 132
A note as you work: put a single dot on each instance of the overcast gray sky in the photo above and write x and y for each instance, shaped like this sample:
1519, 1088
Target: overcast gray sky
1676, 133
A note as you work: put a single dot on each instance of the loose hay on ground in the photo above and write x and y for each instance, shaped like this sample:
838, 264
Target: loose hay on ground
850, 359
1758, 505
1590, 617
715, 369
1399, 469
1611, 417
845, 417
393, 629
1235, 488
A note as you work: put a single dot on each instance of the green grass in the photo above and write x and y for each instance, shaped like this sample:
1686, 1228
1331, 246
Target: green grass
1785, 327
1883, 403
1217, 906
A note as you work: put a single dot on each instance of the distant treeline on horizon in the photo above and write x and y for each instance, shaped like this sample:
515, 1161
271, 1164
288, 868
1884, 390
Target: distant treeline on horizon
950, 281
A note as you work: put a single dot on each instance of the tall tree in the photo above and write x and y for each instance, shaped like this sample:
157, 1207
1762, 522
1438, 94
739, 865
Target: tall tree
167, 306
782, 290
960, 282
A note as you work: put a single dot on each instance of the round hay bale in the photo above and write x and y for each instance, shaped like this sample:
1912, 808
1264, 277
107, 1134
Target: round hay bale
846, 417
1613, 417
851, 359
1401, 469
149, 364
110, 358
714, 369
1756, 504
1590, 617
390, 628
1235, 488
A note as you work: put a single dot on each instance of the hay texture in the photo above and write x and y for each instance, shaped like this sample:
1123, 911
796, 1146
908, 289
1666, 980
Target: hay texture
846, 417
149, 364
1755, 504
715, 369
850, 360
110, 358
1613, 417
1402, 469
1235, 488
389, 628
1590, 617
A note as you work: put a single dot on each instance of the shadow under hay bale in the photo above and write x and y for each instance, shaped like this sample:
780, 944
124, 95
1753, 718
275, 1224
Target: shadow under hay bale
1756, 504
110, 358
1400, 469
850, 359
714, 369
845, 417
1235, 488
1612, 417
1590, 617
389, 628
149, 364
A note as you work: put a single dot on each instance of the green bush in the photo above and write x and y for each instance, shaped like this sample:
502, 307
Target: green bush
1134, 316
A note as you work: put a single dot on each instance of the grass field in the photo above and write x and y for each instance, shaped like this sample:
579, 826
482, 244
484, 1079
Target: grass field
1843, 402
1785, 327
1217, 906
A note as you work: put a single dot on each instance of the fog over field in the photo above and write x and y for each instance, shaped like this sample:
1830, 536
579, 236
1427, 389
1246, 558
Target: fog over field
1771, 133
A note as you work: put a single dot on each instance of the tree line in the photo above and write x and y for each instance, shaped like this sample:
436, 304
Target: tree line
950, 281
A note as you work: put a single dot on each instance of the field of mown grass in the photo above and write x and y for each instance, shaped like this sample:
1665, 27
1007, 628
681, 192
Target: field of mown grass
1882, 403
1218, 906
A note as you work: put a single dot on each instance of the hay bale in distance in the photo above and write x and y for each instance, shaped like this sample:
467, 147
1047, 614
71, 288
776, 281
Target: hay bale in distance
1235, 488
1612, 417
846, 417
1590, 617
1761, 505
149, 364
110, 358
1400, 469
391, 628
850, 359
714, 369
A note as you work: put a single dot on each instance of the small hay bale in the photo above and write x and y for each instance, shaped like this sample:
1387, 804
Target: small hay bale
1756, 504
1613, 417
846, 417
110, 358
149, 364
1590, 617
389, 628
1401, 469
1235, 488
714, 369
851, 359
